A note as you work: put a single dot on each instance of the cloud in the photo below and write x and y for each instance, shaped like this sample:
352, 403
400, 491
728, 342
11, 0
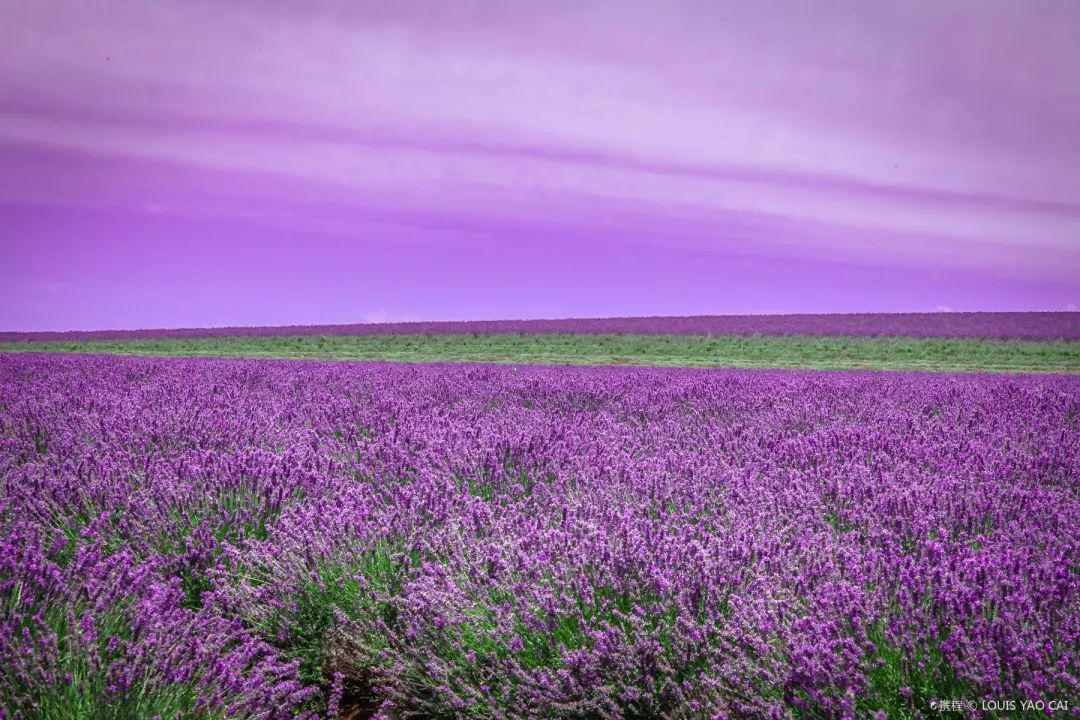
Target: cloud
382, 315
951, 124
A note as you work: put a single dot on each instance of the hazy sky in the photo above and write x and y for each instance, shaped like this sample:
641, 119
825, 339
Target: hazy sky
215, 163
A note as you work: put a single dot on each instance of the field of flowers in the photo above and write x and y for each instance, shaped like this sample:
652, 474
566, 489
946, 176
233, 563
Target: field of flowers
994, 325
240, 538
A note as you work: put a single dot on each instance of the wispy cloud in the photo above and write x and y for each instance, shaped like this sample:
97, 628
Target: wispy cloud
385, 316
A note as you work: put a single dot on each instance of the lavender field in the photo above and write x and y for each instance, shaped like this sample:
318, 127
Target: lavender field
981, 325
268, 539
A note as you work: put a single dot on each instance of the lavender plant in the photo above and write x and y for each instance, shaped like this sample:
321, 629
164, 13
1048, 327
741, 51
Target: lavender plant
1001, 325
216, 538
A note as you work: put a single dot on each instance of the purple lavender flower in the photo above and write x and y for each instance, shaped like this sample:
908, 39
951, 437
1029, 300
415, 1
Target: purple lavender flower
273, 539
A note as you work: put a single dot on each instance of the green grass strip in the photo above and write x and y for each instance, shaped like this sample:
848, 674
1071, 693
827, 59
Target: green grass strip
811, 352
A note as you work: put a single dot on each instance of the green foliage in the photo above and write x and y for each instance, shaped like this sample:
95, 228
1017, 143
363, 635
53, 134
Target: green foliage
811, 352
904, 686
361, 589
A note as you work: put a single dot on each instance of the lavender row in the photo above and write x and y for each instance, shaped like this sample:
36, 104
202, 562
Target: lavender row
273, 538
1004, 325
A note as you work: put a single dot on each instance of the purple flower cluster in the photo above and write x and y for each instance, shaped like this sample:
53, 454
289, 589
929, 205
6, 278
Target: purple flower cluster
1000, 325
269, 538
100, 631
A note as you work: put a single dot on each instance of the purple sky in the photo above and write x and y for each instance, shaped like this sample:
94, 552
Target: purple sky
230, 163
